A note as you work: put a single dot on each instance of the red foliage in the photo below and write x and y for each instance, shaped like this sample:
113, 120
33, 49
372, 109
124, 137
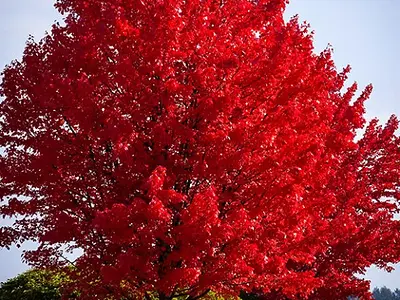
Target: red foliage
194, 145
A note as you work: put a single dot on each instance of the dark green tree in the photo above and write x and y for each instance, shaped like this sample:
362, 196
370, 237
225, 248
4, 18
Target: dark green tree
396, 294
383, 293
33, 285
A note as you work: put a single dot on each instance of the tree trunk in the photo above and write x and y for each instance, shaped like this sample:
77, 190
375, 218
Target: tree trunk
162, 296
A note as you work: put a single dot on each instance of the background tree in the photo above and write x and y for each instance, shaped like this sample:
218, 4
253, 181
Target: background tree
184, 146
33, 285
37, 284
396, 293
383, 293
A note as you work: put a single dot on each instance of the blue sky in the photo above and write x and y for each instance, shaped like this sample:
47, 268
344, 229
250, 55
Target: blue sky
362, 32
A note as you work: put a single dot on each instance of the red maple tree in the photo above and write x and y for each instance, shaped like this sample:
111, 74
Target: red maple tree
193, 145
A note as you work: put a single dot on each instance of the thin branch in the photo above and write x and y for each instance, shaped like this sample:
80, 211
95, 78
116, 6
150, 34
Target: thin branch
200, 295
69, 126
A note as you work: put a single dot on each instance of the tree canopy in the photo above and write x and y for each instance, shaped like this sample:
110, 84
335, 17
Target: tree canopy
385, 293
33, 285
184, 146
